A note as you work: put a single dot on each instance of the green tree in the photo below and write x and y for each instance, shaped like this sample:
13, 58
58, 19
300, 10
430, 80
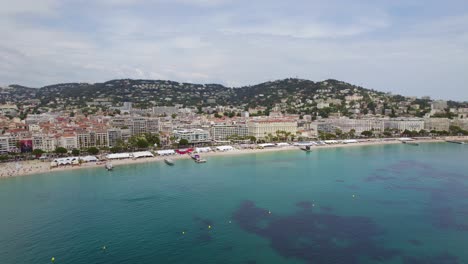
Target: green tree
61, 150
75, 152
38, 152
93, 150
142, 143
183, 142
115, 149
367, 133
152, 139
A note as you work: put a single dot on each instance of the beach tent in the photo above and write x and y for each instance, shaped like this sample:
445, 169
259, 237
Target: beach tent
224, 148
350, 141
118, 156
267, 145
65, 161
165, 152
405, 139
184, 151
248, 146
304, 143
89, 159
202, 150
142, 154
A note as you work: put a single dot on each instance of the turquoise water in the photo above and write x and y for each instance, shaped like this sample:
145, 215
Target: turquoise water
379, 204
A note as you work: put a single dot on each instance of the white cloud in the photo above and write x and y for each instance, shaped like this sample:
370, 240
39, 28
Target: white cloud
233, 43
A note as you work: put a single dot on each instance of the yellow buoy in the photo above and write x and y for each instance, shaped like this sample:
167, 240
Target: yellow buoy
209, 227
52, 259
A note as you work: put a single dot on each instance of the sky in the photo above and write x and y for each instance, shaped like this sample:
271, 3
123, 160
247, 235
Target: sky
409, 47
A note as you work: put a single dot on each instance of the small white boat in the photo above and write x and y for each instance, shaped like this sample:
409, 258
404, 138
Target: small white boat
109, 166
169, 162
200, 160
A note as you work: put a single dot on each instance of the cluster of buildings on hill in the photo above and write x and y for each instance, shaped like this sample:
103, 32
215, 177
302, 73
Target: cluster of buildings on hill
75, 130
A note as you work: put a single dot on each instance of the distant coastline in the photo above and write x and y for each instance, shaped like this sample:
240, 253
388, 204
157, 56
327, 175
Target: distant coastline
15, 169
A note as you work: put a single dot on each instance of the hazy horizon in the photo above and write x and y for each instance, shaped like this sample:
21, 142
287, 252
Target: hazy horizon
412, 48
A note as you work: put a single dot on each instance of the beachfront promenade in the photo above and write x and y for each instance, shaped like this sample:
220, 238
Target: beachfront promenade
23, 168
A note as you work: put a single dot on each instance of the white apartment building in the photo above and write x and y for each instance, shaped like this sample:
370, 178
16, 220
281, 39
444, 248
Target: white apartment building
92, 139
44, 142
193, 135
437, 124
359, 125
68, 141
261, 128
8, 144
137, 125
411, 124
222, 132
165, 110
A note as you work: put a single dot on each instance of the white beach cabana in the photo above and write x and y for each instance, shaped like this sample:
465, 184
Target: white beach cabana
225, 148
350, 141
118, 156
304, 143
203, 150
282, 144
166, 152
405, 139
89, 159
142, 154
66, 161
267, 145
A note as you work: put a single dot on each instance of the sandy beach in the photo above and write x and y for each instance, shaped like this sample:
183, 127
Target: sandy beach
14, 169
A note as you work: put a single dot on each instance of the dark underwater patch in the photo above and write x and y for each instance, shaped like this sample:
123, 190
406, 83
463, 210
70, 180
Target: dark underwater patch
315, 237
415, 242
440, 259
326, 208
304, 204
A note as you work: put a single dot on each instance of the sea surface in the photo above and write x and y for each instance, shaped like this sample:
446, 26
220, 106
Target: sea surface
374, 204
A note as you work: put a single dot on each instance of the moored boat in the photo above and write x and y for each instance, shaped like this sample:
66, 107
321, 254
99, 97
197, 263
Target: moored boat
198, 159
410, 143
109, 166
306, 148
169, 162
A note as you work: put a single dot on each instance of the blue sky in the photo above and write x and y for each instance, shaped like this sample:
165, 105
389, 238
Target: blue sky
404, 46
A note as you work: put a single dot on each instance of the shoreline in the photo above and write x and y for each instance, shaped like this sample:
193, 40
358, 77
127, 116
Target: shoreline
36, 167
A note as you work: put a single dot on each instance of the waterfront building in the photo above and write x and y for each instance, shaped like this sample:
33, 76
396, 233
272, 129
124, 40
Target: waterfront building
260, 128
68, 141
411, 124
193, 135
222, 131
8, 144
44, 142
346, 125
114, 135
438, 124
92, 139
